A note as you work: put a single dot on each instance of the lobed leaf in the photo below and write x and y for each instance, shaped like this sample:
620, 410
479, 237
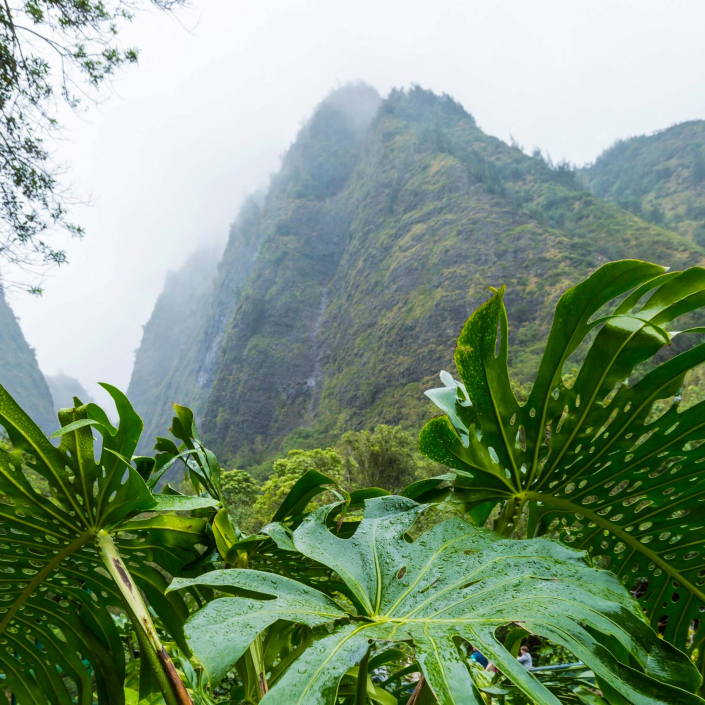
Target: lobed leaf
591, 459
456, 582
56, 629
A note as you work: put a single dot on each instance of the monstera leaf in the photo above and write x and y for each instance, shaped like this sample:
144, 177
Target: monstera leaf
456, 582
56, 630
593, 459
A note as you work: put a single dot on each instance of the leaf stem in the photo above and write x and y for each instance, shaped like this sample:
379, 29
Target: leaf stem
416, 695
505, 521
361, 694
170, 684
151, 657
257, 655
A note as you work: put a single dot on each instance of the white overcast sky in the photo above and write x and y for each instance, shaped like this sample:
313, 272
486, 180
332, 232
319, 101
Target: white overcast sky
220, 94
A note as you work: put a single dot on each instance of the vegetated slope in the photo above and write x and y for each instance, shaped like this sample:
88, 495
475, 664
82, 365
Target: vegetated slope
362, 284
660, 177
338, 128
20, 373
167, 345
64, 388
375, 242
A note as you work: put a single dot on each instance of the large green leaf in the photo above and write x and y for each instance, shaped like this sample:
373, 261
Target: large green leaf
55, 626
272, 549
588, 458
456, 581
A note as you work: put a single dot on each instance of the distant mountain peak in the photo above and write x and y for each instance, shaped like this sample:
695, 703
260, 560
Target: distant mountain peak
340, 295
64, 389
357, 101
326, 148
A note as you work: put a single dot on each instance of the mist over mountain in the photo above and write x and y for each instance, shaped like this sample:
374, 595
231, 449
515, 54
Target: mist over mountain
20, 373
660, 177
64, 388
163, 370
341, 292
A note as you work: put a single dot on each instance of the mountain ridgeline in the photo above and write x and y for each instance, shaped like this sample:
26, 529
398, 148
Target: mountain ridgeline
64, 389
660, 177
20, 373
342, 291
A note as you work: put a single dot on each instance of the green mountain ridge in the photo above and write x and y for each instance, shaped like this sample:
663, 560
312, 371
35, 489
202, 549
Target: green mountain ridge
20, 373
341, 294
660, 177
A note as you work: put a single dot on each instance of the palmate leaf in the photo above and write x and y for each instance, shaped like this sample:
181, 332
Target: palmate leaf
272, 548
588, 459
56, 630
455, 582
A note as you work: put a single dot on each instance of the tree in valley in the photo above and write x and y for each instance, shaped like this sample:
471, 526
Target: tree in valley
384, 457
239, 490
287, 471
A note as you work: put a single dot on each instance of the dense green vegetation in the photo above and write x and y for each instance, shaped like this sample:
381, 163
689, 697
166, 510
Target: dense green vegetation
660, 177
418, 592
351, 595
385, 457
585, 455
20, 372
341, 291
62, 639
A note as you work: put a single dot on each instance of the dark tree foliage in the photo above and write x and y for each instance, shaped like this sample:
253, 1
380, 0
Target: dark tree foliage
383, 458
51, 52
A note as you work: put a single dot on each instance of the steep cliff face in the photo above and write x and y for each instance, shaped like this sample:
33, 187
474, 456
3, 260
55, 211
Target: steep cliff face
312, 172
341, 293
270, 353
20, 373
167, 346
661, 177
360, 289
